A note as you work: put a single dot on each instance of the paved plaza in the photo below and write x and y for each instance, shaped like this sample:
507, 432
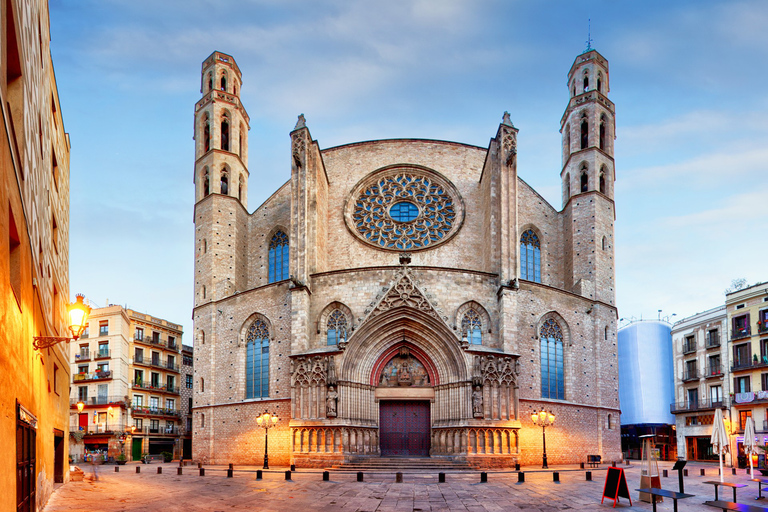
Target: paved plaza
105, 490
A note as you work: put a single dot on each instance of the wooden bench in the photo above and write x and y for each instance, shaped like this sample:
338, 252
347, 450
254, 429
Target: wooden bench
593, 460
653, 491
149, 458
760, 483
725, 484
739, 507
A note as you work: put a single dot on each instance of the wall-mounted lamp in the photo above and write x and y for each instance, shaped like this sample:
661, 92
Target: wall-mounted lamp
78, 317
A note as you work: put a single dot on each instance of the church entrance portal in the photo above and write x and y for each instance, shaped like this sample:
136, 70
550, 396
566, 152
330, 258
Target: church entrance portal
404, 428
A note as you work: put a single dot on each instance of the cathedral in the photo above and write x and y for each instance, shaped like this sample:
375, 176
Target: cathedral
405, 297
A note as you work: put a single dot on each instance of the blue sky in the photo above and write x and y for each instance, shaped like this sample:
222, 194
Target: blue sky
688, 79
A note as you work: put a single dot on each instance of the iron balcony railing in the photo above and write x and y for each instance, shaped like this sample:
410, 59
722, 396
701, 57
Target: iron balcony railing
155, 411
713, 340
99, 400
762, 326
84, 355
697, 405
743, 332
103, 354
162, 431
85, 377
158, 387
158, 342
100, 428
748, 364
689, 346
713, 370
691, 374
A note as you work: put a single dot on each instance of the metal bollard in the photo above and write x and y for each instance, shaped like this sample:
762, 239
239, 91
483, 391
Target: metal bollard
230, 472
589, 476
293, 467
138, 469
581, 465
326, 476
627, 462
441, 478
202, 471
159, 470
555, 476
483, 477
521, 477
517, 466
178, 471
613, 464
733, 470
117, 469
199, 465
359, 476
703, 473
258, 474
399, 477
665, 473
287, 475
685, 472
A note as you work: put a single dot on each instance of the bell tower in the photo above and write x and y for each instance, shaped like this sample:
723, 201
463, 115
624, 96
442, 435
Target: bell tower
587, 175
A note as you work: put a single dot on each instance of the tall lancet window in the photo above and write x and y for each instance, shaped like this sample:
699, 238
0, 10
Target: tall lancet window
224, 183
225, 134
530, 257
223, 83
552, 366
257, 360
472, 328
207, 135
206, 183
336, 327
278, 257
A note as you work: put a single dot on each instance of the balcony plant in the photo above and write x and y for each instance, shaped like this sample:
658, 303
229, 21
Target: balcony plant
120, 459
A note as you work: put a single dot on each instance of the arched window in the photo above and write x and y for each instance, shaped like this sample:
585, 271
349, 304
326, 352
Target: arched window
224, 183
600, 82
223, 82
203, 291
584, 179
202, 385
240, 143
472, 328
567, 139
604, 249
278, 257
240, 189
567, 185
234, 89
584, 132
602, 183
606, 327
552, 366
257, 360
210, 82
206, 183
225, 134
586, 82
207, 136
205, 245
530, 257
610, 422
336, 327
202, 419
602, 132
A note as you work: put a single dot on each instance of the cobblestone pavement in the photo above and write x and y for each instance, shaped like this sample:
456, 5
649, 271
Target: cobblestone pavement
105, 490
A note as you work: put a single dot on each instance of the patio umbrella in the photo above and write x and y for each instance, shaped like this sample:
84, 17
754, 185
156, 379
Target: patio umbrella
719, 438
750, 447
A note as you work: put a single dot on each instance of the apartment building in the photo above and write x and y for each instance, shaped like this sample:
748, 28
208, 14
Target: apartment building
701, 380
188, 375
126, 373
747, 316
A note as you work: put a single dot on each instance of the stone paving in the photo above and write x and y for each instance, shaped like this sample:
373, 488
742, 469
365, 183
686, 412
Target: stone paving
105, 490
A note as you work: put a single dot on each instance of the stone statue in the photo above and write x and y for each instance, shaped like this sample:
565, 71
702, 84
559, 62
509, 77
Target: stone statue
477, 402
330, 402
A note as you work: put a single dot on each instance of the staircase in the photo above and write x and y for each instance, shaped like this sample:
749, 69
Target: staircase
395, 464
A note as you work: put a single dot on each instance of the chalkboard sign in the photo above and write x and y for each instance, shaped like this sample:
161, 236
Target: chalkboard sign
615, 486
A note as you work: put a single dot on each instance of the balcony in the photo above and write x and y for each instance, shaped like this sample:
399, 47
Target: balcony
689, 346
88, 377
159, 431
691, 374
157, 342
99, 400
100, 428
753, 364
714, 370
739, 333
83, 356
137, 384
156, 363
155, 411
762, 326
103, 354
697, 405
713, 341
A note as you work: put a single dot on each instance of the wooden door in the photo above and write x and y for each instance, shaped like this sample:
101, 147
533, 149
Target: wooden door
404, 428
83, 421
26, 449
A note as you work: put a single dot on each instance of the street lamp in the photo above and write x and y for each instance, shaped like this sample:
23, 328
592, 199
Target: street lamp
267, 421
78, 317
543, 419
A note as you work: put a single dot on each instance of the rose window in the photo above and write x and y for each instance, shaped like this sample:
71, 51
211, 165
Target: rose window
404, 209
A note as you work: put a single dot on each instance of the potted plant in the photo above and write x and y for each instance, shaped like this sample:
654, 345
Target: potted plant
121, 459
144, 457
167, 456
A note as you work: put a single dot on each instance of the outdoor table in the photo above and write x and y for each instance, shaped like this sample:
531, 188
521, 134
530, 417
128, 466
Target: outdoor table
738, 507
760, 482
653, 491
725, 484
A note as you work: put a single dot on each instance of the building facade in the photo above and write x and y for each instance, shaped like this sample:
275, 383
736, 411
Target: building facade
701, 380
126, 372
34, 269
186, 387
404, 297
747, 317
646, 386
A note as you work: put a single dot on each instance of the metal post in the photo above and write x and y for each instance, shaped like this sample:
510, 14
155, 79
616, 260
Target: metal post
266, 456
544, 440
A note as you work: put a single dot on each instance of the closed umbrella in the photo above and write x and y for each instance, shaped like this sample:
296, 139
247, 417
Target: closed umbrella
750, 446
719, 438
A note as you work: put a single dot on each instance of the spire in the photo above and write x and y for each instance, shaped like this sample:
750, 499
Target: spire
589, 35
300, 123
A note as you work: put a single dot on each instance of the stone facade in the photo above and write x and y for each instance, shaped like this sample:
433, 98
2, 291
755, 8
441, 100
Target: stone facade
404, 287
34, 267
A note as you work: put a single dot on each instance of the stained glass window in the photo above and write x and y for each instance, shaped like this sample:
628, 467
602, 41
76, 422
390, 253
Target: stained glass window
257, 360
278, 257
552, 366
530, 257
472, 327
337, 327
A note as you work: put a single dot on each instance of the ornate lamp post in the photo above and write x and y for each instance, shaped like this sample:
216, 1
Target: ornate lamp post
267, 421
78, 317
543, 419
